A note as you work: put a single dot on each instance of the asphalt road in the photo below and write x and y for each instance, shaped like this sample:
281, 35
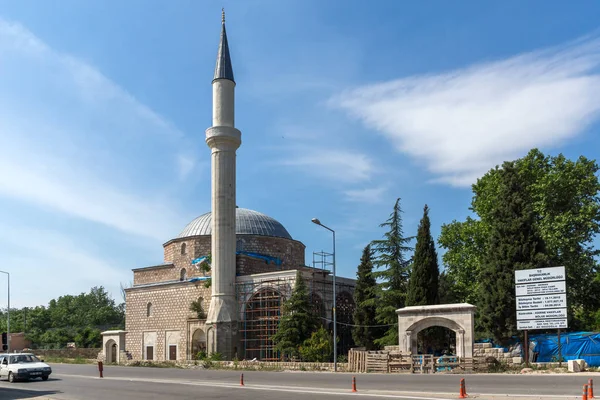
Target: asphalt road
70, 382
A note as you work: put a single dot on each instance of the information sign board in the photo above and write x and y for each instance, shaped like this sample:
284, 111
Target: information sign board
542, 314
528, 324
541, 288
542, 302
540, 275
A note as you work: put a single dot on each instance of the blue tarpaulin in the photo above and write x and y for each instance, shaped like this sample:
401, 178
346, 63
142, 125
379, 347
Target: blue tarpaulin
574, 346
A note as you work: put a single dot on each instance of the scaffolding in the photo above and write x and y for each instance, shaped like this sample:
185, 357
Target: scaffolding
260, 303
322, 260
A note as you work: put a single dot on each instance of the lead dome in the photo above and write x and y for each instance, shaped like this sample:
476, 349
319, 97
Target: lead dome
247, 222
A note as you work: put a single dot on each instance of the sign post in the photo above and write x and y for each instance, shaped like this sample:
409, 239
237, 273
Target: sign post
541, 298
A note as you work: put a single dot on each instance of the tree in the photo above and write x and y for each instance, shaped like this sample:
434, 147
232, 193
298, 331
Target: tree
317, 348
566, 206
365, 299
465, 245
297, 322
394, 274
69, 318
197, 307
446, 290
514, 244
423, 283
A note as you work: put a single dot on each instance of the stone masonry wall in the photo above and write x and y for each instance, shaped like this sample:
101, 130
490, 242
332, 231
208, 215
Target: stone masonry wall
291, 253
170, 311
483, 350
160, 273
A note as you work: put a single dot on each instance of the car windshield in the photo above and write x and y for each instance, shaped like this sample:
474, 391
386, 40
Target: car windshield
23, 358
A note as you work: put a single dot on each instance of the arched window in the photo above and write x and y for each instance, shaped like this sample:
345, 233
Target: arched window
149, 310
182, 274
183, 248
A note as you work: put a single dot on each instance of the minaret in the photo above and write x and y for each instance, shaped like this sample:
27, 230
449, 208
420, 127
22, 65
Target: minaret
223, 140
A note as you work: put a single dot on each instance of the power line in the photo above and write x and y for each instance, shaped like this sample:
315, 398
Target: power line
361, 326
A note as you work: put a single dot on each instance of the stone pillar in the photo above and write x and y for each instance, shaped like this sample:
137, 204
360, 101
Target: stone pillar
223, 140
460, 343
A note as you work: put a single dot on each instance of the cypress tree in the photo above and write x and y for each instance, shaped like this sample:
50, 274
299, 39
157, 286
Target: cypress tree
297, 322
423, 283
364, 333
394, 274
514, 244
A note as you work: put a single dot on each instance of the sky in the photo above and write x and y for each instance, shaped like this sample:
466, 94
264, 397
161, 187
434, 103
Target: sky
344, 106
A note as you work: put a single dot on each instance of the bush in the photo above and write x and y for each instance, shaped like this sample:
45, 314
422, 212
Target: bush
342, 358
318, 348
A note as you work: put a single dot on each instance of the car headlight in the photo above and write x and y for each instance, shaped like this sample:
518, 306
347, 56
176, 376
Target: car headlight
46, 369
21, 371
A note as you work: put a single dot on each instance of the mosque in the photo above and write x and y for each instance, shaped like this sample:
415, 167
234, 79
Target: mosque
249, 258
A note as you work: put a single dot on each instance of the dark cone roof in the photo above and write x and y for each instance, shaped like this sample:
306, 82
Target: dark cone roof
223, 69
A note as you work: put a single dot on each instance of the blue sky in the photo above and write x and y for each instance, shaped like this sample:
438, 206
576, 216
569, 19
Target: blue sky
343, 106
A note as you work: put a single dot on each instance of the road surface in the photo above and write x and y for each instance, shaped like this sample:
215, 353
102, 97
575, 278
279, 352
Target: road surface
75, 382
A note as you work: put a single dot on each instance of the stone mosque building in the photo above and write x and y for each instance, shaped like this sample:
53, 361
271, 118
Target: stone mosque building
253, 262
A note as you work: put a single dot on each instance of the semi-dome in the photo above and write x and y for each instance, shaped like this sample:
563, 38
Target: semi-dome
247, 222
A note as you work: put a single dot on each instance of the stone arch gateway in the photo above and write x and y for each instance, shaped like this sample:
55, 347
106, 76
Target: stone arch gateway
456, 317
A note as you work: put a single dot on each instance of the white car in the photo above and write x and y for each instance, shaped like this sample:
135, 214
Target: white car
23, 366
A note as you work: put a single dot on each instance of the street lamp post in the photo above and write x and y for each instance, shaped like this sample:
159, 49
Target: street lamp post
8, 313
316, 221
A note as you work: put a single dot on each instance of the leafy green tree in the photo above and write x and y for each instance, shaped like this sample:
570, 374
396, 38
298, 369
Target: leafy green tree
317, 348
365, 299
297, 322
514, 244
69, 318
446, 290
394, 272
423, 283
565, 201
465, 245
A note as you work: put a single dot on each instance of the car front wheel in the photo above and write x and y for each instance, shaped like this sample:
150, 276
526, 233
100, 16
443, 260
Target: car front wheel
44, 378
11, 377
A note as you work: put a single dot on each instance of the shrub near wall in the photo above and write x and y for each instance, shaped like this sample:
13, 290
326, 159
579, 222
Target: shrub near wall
279, 366
87, 353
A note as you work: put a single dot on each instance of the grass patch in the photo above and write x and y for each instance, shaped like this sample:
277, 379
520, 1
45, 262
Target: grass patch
154, 364
64, 360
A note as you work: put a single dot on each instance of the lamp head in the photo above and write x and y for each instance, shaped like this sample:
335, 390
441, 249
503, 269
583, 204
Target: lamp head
316, 221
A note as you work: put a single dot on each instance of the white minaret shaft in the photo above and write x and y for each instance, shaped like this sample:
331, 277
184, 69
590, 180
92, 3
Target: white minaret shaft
223, 140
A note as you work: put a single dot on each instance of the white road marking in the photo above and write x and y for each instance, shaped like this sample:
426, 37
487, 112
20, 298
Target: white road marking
289, 389
329, 391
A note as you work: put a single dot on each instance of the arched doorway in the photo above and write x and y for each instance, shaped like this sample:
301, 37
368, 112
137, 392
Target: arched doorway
458, 318
198, 342
261, 320
345, 318
111, 351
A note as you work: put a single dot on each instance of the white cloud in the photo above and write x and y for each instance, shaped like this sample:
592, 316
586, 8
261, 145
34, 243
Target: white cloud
366, 195
75, 142
339, 165
463, 122
51, 265
47, 183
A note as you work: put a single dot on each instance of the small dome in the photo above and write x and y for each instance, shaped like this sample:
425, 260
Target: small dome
247, 222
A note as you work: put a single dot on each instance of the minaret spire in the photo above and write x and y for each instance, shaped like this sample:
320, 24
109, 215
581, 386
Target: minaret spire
223, 69
223, 139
